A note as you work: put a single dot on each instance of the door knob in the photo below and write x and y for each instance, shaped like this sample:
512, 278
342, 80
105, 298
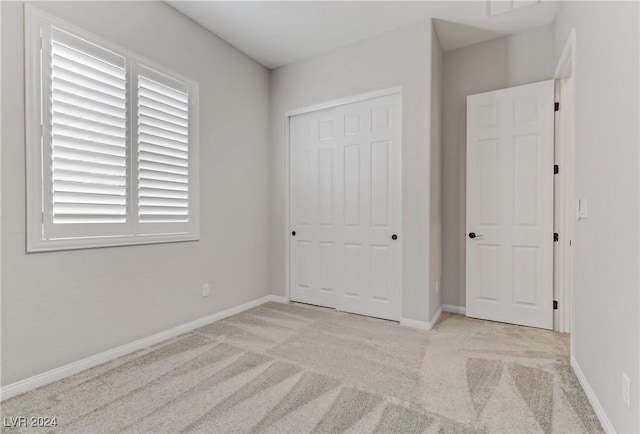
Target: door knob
472, 235
394, 237
293, 233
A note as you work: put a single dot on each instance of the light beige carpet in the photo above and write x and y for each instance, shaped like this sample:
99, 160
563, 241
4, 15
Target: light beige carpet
296, 369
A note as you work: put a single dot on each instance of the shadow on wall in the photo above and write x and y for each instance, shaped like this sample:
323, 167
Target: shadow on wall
453, 35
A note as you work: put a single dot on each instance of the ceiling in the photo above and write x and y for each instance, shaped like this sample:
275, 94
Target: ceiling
276, 33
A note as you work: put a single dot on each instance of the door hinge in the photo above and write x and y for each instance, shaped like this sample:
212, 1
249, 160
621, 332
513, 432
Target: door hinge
556, 237
556, 169
555, 304
556, 106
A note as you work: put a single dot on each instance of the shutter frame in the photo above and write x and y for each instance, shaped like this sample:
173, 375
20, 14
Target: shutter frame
77, 215
162, 181
42, 234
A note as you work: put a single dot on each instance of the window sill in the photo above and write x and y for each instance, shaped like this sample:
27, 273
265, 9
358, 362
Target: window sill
35, 246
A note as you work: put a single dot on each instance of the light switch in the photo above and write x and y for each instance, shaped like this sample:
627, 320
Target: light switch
582, 209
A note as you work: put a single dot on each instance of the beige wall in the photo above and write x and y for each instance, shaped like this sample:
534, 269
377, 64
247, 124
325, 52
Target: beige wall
508, 61
397, 58
60, 307
606, 324
435, 251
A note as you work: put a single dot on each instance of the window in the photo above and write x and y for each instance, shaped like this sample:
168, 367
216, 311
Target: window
112, 146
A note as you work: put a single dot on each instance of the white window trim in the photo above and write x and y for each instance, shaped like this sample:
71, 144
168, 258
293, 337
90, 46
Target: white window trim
35, 20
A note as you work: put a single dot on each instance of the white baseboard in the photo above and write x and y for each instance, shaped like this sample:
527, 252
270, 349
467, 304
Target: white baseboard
277, 299
421, 325
45, 378
460, 310
415, 324
436, 317
591, 396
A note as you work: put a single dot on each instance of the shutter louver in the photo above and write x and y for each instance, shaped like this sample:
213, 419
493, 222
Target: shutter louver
163, 152
88, 132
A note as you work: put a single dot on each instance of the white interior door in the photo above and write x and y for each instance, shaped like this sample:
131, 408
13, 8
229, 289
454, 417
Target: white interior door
509, 272
345, 207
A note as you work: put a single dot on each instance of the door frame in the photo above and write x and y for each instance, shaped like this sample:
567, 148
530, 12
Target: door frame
564, 206
287, 151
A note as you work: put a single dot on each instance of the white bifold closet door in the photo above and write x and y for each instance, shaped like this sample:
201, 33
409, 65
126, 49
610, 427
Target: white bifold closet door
345, 245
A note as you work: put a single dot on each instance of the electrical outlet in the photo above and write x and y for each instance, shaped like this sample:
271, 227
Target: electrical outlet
206, 290
626, 390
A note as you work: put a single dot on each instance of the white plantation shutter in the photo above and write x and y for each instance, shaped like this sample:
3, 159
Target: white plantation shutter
112, 143
163, 148
87, 138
